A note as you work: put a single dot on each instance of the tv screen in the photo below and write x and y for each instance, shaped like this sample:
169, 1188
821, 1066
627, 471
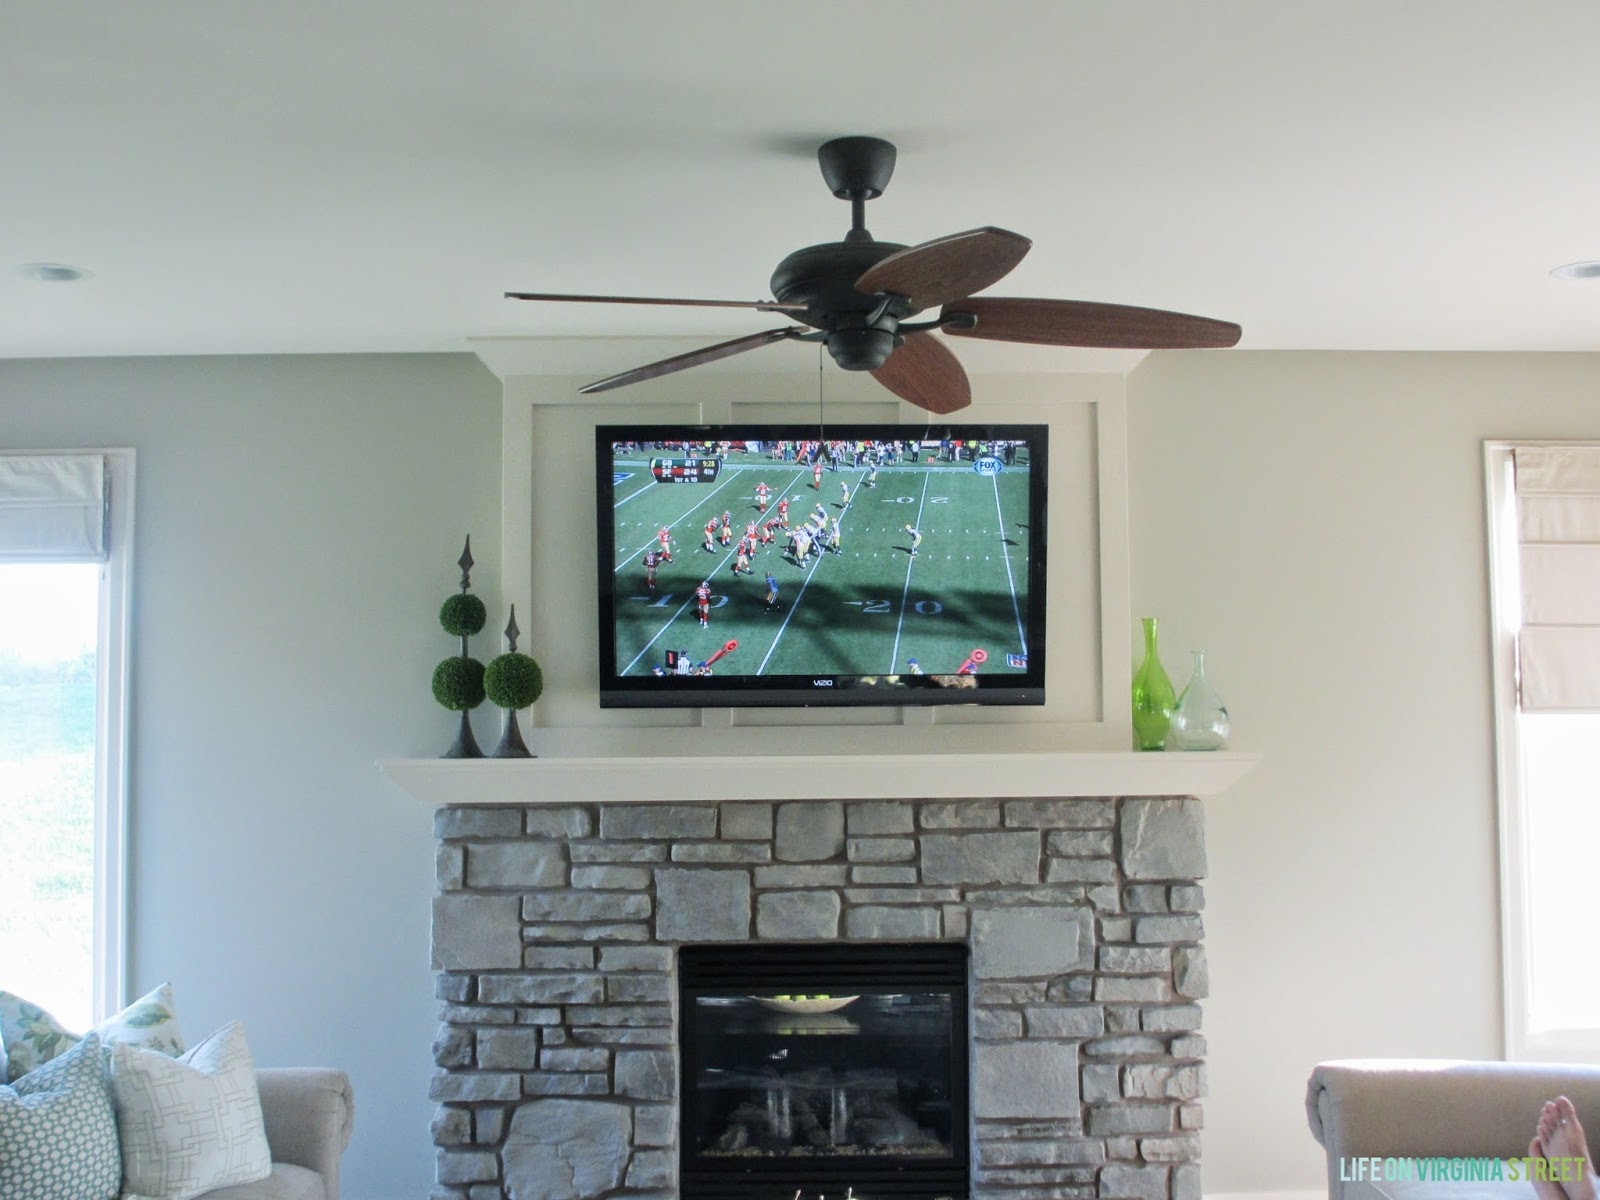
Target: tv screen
787, 565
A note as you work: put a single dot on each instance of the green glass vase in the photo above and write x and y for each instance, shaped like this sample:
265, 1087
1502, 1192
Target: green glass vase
1153, 697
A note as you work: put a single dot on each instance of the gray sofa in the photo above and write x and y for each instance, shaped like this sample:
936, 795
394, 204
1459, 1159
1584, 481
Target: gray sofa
308, 1113
1437, 1108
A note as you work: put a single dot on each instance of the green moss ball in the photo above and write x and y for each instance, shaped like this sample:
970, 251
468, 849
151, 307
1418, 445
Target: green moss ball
458, 683
463, 615
513, 681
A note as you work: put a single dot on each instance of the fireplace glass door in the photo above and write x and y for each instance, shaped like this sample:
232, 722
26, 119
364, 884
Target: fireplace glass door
822, 1068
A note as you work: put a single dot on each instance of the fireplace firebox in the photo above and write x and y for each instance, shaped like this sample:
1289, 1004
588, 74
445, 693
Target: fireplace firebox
822, 1069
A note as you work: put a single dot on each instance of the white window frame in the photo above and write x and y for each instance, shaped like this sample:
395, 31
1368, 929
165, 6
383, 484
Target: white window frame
1505, 609
110, 962
111, 742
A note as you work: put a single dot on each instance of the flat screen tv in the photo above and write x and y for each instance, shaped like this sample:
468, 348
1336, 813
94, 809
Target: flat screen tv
854, 565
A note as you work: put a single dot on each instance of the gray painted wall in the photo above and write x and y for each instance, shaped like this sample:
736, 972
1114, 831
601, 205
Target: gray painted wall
297, 525
1316, 523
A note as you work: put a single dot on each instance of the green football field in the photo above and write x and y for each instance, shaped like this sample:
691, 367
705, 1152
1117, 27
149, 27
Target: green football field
868, 609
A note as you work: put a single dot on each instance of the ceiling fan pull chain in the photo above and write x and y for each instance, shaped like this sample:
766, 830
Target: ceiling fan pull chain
821, 427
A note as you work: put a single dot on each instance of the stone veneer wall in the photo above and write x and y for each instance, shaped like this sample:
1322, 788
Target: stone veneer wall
554, 932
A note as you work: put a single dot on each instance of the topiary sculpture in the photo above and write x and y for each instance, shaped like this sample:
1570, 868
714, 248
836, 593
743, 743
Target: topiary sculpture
513, 681
458, 681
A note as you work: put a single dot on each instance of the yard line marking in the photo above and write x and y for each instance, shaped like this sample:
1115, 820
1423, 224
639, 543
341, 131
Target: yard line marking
644, 484
669, 524
659, 632
726, 559
894, 653
732, 475
811, 573
1022, 633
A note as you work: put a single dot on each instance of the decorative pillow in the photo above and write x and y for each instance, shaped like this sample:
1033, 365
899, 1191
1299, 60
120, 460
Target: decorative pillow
58, 1135
32, 1037
189, 1124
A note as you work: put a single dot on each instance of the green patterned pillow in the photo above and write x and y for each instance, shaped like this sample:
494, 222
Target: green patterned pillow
32, 1037
58, 1133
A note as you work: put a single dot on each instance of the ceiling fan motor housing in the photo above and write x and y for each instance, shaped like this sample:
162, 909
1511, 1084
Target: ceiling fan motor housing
823, 278
863, 349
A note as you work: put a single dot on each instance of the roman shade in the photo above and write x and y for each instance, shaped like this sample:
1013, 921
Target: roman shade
52, 508
1558, 534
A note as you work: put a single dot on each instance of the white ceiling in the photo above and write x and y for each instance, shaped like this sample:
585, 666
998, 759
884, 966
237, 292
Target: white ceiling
371, 175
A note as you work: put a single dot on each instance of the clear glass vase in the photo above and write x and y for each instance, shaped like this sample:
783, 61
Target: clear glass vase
1153, 697
1200, 721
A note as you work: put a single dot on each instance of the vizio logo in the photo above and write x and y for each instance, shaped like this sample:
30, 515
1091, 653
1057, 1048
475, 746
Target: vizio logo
987, 465
822, 683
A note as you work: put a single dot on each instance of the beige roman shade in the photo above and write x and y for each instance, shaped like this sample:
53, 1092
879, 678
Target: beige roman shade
1558, 532
52, 507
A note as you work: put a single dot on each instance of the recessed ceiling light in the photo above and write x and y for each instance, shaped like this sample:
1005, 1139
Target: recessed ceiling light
52, 272
1578, 270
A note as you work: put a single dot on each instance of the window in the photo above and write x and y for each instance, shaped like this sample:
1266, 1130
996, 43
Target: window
65, 541
1544, 542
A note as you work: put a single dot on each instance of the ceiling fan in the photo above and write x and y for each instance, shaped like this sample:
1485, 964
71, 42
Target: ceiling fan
857, 297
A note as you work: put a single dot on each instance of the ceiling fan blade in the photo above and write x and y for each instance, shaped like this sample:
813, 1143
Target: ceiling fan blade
759, 305
923, 372
947, 268
1084, 323
694, 358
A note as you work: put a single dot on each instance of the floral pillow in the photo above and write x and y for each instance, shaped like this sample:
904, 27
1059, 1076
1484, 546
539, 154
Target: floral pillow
32, 1037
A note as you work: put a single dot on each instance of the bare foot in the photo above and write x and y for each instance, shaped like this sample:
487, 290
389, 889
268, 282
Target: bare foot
1561, 1135
1543, 1188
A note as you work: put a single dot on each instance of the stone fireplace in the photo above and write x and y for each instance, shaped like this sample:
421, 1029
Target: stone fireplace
556, 938
1065, 866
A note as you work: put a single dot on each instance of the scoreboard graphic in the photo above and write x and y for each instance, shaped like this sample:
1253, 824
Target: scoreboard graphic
685, 470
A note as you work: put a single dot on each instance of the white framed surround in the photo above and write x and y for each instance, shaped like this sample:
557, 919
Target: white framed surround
547, 502
1522, 1043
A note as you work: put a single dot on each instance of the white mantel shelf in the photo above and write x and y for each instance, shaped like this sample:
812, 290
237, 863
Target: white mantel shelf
931, 776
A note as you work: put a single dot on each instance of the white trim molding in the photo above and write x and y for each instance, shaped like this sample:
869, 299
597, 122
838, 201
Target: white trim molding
111, 742
1504, 619
645, 779
545, 440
